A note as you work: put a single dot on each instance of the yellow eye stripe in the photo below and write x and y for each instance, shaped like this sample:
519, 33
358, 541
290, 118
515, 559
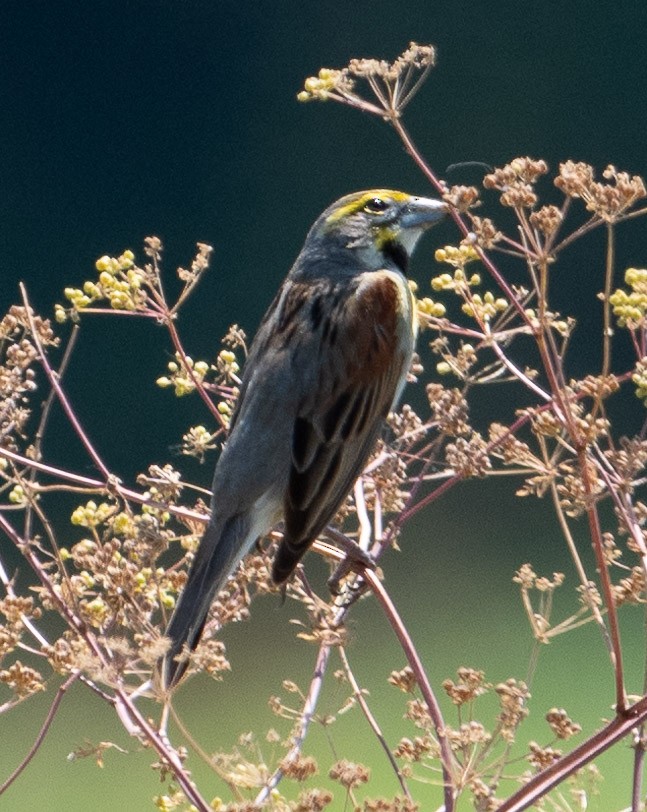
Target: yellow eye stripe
358, 203
384, 235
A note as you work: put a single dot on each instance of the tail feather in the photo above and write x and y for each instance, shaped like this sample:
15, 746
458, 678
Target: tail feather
220, 549
286, 559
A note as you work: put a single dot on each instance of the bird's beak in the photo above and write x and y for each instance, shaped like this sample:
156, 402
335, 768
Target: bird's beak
423, 212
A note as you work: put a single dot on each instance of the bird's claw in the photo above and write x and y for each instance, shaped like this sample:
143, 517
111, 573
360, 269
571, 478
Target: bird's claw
356, 560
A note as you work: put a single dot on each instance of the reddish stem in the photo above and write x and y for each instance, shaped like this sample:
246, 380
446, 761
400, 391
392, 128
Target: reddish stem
446, 757
44, 730
541, 784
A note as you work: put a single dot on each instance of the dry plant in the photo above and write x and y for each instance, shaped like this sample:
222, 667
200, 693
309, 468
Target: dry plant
115, 585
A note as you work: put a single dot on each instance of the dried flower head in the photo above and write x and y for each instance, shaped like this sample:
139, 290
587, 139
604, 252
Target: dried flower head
467, 736
397, 804
462, 197
471, 684
392, 84
487, 235
312, 800
469, 457
631, 589
547, 219
416, 749
349, 774
609, 201
405, 679
22, 679
449, 409
484, 796
513, 699
516, 182
561, 723
542, 757
299, 768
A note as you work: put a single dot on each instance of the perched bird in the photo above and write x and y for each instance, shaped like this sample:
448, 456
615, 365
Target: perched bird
330, 359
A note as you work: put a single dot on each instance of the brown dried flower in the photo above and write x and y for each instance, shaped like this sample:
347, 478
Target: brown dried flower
513, 698
631, 589
561, 724
349, 774
405, 679
299, 768
468, 458
547, 219
462, 197
516, 181
608, 200
542, 757
471, 684
468, 734
22, 679
416, 749
312, 800
487, 235
449, 409
398, 804
392, 84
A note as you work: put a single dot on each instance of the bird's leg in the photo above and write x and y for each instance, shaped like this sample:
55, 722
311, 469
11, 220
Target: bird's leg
356, 560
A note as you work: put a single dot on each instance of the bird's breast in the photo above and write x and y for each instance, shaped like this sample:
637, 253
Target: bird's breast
382, 315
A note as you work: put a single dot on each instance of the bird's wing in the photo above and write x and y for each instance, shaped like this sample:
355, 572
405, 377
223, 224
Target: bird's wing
364, 352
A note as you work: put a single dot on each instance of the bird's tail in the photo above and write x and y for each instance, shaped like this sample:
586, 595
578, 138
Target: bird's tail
220, 549
286, 559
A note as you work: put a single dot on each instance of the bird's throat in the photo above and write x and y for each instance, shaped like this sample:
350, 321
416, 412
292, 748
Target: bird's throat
397, 254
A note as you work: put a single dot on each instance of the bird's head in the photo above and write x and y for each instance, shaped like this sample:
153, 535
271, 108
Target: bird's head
374, 227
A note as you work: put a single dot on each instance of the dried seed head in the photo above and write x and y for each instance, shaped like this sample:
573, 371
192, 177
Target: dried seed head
608, 200
547, 219
516, 181
561, 724
349, 774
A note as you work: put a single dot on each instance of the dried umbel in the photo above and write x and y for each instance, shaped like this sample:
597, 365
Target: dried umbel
610, 200
516, 182
115, 574
392, 84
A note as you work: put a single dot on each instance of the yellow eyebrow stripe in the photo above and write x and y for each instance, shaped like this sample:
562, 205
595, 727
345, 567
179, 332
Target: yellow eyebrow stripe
359, 203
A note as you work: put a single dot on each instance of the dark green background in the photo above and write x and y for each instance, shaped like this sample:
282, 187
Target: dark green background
124, 119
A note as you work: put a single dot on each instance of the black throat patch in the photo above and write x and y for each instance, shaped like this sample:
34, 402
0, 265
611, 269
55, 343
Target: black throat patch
396, 252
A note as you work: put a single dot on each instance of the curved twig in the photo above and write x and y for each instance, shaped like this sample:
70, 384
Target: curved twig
548, 779
51, 713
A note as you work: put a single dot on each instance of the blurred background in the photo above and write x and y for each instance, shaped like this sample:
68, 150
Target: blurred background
178, 118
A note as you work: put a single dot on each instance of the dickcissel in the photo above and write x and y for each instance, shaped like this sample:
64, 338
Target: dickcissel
328, 362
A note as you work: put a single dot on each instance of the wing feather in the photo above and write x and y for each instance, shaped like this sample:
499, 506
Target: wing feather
336, 427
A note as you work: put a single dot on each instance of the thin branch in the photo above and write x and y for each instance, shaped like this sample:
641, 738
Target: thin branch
542, 783
607, 590
141, 727
197, 383
577, 561
102, 487
446, 756
44, 730
463, 227
307, 715
607, 331
42, 423
637, 776
372, 721
62, 397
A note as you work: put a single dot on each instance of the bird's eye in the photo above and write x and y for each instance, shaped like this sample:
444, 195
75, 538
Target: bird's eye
375, 205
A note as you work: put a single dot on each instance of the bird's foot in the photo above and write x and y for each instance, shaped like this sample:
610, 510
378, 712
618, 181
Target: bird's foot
357, 560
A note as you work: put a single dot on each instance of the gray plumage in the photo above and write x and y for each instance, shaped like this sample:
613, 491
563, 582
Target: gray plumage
328, 361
